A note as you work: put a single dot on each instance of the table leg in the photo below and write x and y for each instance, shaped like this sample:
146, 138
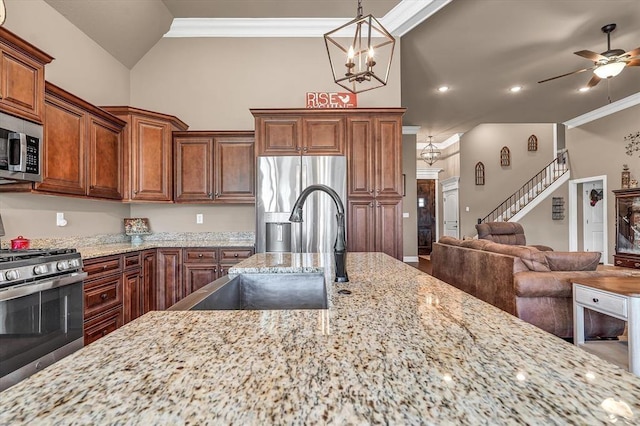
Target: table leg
633, 328
578, 321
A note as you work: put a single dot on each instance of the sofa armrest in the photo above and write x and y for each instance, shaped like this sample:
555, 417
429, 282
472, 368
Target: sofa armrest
555, 283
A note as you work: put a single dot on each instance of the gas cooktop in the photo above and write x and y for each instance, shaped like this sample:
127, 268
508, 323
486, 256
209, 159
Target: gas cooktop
8, 255
23, 266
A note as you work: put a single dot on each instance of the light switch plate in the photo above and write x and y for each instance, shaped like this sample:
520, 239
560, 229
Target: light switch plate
199, 219
405, 214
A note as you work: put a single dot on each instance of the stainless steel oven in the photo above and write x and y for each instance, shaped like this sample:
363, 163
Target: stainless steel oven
41, 310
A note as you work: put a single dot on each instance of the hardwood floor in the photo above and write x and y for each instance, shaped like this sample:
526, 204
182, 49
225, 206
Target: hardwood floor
424, 264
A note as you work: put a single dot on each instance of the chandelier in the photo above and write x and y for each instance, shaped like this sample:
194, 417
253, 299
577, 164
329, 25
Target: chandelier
354, 50
430, 153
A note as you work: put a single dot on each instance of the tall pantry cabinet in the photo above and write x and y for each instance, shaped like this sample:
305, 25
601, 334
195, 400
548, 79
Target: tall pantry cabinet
371, 139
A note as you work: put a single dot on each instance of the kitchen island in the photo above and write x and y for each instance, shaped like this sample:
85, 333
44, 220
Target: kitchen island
401, 348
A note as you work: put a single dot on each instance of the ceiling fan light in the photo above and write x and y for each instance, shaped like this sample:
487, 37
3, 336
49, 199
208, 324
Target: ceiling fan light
609, 70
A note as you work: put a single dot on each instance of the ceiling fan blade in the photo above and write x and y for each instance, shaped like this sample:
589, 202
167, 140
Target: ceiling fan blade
594, 80
632, 53
634, 63
564, 75
595, 57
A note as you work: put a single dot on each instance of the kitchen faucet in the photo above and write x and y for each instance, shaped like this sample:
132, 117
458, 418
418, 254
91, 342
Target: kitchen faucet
340, 247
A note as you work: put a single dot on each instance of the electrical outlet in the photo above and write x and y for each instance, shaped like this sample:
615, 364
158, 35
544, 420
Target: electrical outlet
199, 219
60, 221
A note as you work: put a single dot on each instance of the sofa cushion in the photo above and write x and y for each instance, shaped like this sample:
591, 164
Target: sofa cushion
451, 241
532, 257
572, 261
474, 244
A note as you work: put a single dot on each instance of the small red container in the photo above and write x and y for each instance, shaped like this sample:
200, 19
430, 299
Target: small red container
20, 243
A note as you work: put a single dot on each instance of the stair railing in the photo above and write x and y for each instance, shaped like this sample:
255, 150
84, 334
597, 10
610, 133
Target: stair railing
530, 190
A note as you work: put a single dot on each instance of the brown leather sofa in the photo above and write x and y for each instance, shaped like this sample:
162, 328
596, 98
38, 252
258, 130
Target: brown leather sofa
534, 285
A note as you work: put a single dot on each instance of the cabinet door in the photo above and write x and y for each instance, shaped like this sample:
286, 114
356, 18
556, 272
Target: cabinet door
22, 85
235, 170
197, 276
151, 160
323, 135
360, 227
101, 325
388, 156
388, 226
194, 169
105, 159
169, 278
360, 176
278, 135
132, 303
149, 288
63, 150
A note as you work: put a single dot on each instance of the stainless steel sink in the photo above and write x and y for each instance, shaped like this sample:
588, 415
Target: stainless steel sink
259, 291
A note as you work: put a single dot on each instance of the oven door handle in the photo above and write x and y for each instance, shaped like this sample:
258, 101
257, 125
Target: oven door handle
26, 289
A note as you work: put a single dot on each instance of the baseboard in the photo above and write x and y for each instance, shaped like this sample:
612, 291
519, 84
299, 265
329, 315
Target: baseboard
410, 259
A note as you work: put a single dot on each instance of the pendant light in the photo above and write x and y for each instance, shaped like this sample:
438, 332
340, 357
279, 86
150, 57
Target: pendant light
360, 53
430, 153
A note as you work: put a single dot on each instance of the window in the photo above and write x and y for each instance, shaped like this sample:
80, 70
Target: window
505, 157
479, 173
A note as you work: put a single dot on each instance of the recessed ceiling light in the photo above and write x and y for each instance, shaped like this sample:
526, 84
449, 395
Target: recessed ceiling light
583, 89
515, 89
443, 88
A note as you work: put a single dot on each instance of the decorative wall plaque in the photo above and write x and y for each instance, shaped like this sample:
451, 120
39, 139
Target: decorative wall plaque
479, 173
532, 143
505, 157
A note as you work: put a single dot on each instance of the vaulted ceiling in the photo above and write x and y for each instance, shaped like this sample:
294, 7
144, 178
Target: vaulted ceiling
478, 48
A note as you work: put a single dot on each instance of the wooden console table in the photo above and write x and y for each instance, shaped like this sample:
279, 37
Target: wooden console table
618, 297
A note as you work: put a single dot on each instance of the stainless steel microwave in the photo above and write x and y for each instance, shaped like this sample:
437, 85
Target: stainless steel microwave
20, 150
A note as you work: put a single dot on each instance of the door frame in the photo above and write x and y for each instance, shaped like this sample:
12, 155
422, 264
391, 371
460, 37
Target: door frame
573, 214
431, 174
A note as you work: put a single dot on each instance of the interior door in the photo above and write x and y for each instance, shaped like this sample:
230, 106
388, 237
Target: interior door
451, 213
593, 216
426, 215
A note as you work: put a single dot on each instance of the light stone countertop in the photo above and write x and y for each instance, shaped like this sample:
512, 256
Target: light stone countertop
99, 250
402, 348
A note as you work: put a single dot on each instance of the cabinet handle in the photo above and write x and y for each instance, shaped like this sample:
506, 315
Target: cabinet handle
618, 262
595, 300
371, 204
305, 149
210, 195
200, 255
297, 148
377, 191
104, 267
216, 194
236, 255
637, 265
104, 333
104, 296
135, 191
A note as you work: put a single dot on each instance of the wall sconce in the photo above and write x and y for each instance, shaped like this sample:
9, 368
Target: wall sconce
360, 45
430, 153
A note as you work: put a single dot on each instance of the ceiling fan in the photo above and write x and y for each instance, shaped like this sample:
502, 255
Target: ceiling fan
606, 64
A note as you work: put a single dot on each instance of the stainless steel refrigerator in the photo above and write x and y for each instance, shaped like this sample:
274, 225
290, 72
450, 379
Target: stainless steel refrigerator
279, 182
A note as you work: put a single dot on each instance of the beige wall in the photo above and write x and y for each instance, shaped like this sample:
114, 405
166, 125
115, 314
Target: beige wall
483, 143
409, 202
598, 148
211, 83
182, 218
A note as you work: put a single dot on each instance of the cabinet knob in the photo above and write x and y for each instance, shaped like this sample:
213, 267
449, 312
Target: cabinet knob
216, 194
637, 265
104, 267
236, 255
104, 296
104, 333
618, 262
371, 204
305, 149
210, 195
297, 148
200, 255
135, 191
595, 300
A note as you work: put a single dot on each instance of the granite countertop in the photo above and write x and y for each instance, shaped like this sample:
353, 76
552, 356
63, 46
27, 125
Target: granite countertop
402, 348
99, 250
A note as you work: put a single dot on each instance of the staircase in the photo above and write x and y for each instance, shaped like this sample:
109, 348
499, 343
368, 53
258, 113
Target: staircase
533, 192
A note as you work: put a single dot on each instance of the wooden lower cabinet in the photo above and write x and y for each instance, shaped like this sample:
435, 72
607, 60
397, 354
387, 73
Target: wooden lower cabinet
103, 297
149, 274
169, 277
197, 276
132, 303
375, 225
103, 324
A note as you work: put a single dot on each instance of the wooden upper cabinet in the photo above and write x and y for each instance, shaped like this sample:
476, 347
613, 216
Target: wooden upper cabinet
374, 155
235, 169
21, 77
148, 153
82, 148
214, 167
299, 132
105, 159
193, 180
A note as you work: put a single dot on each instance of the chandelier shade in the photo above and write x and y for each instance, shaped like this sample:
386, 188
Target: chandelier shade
609, 70
360, 53
430, 153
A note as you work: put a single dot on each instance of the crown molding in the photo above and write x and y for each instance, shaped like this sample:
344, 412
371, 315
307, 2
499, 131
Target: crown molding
604, 111
410, 130
402, 18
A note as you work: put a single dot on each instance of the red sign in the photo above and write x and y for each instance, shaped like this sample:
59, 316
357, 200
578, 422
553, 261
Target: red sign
331, 100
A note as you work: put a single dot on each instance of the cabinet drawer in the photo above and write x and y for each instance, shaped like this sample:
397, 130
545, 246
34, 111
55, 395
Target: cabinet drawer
132, 260
102, 295
234, 255
601, 301
200, 256
102, 325
102, 266
626, 262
